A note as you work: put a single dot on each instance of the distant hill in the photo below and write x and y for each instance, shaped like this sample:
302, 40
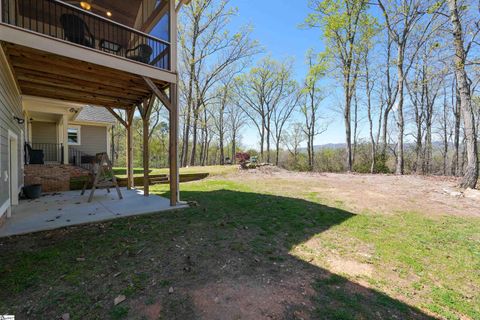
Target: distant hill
335, 146
330, 146
326, 146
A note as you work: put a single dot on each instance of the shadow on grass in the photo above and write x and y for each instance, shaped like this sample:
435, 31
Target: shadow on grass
227, 258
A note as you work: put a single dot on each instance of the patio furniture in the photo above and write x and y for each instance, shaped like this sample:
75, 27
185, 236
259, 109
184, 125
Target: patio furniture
102, 176
76, 30
140, 53
34, 156
110, 46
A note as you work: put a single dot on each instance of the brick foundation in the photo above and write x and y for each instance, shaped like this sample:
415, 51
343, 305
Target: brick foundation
52, 177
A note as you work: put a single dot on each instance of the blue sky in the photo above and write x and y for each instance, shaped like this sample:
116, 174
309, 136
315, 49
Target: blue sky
276, 25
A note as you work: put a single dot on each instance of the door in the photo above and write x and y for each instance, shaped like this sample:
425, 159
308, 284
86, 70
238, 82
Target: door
13, 167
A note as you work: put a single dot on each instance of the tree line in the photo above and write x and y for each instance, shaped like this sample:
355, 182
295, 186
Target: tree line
403, 75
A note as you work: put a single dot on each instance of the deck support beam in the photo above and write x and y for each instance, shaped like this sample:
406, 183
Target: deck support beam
129, 148
171, 103
173, 110
145, 112
173, 146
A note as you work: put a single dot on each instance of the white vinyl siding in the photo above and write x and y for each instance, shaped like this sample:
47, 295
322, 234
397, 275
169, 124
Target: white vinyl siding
10, 106
93, 140
44, 132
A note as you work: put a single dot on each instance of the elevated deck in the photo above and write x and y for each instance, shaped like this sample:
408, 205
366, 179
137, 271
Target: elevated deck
48, 75
64, 29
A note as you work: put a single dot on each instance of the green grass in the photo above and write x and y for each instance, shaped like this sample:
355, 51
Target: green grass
257, 229
211, 170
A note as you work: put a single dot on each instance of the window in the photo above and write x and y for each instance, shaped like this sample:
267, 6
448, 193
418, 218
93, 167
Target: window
73, 135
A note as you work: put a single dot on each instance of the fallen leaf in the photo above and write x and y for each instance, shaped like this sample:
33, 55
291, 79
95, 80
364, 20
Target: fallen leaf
119, 299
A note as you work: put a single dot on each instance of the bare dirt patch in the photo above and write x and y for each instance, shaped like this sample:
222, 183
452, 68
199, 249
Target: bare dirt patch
377, 193
247, 299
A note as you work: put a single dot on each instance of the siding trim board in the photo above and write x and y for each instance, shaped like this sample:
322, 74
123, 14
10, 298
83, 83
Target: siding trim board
13, 180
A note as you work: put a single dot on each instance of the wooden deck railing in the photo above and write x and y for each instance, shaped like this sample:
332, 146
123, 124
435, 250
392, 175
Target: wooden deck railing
66, 22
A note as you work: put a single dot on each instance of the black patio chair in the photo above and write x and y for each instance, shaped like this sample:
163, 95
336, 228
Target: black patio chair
34, 156
76, 30
140, 53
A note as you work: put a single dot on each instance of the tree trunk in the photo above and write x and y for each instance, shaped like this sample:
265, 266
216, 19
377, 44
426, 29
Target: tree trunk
234, 148
400, 121
355, 129
348, 140
202, 145
471, 172
456, 140
445, 133
370, 119
221, 133
222, 152
268, 139
312, 136
348, 130
311, 152
206, 137
194, 138
262, 140
277, 152
385, 132
418, 144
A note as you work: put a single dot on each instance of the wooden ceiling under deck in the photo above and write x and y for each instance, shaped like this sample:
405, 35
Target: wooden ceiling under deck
56, 77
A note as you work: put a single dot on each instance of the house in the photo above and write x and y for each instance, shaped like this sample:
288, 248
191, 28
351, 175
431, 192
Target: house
62, 60
88, 133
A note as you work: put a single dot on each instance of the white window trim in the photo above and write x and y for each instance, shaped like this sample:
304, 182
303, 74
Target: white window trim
79, 130
12, 178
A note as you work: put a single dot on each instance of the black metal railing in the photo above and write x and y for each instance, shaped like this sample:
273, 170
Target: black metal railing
80, 159
67, 22
40, 153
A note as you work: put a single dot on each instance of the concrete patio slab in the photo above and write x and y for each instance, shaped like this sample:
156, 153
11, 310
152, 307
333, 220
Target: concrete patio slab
62, 209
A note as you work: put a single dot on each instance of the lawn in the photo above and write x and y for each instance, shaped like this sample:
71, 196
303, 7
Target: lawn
249, 248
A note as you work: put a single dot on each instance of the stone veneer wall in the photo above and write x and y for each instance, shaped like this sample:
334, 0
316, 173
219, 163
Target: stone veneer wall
52, 177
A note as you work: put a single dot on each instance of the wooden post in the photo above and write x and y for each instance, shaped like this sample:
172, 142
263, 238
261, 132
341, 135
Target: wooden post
173, 36
146, 156
145, 111
129, 144
173, 146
